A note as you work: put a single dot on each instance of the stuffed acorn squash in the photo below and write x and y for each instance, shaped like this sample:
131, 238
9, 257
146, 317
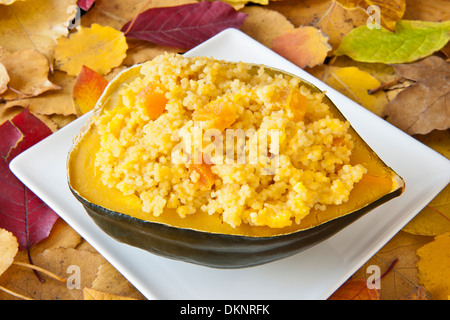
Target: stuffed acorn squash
222, 164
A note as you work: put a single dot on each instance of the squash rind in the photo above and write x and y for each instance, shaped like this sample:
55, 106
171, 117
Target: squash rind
210, 249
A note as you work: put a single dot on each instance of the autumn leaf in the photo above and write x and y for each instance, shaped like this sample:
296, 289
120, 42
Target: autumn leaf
35, 24
329, 16
390, 11
355, 84
434, 266
183, 26
54, 102
412, 40
92, 294
22, 213
355, 289
8, 249
424, 106
100, 48
8, 2
86, 4
4, 78
304, 46
264, 25
88, 87
28, 71
434, 219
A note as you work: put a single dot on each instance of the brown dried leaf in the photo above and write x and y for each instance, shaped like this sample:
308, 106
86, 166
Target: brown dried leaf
4, 78
355, 289
8, 249
390, 11
51, 102
28, 71
35, 24
329, 16
424, 106
264, 25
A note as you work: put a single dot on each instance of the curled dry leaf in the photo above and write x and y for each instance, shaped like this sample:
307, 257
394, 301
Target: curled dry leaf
4, 78
329, 16
424, 106
28, 71
390, 11
304, 46
8, 249
98, 47
35, 24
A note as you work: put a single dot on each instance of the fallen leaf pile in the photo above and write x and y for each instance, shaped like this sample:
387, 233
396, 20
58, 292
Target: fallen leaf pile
56, 58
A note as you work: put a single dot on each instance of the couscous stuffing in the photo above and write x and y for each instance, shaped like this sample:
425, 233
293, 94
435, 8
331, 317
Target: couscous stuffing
203, 136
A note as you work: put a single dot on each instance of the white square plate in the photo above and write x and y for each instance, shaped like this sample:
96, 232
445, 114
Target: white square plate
312, 274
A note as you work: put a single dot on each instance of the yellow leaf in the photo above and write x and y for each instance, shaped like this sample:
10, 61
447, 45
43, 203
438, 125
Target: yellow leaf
389, 11
91, 294
28, 71
434, 219
355, 84
8, 249
304, 46
35, 24
434, 266
99, 48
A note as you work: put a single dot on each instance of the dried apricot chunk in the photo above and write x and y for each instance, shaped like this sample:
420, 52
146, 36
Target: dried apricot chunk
295, 102
221, 113
153, 100
206, 179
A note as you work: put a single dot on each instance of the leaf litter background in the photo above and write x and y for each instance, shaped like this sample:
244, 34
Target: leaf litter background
55, 62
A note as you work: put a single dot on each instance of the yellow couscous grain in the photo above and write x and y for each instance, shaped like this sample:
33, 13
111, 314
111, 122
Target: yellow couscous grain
264, 168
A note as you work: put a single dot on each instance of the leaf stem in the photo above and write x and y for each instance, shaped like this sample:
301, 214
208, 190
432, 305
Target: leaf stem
438, 212
36, 268
385, 85
15, 294
389, 268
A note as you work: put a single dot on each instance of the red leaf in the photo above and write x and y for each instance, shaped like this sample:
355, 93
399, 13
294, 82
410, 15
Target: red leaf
184, 26
21, 211
85, 4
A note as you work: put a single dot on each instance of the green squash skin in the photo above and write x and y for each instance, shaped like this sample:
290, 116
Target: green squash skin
213, 249
218, 250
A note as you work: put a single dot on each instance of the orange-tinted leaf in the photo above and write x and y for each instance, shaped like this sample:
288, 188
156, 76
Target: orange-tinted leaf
88, 87
153, 100
355, 289
305, 46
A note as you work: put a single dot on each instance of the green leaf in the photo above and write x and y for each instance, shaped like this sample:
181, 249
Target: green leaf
411, 41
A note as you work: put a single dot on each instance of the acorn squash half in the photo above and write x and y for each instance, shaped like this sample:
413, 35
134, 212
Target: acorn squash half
204, 239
